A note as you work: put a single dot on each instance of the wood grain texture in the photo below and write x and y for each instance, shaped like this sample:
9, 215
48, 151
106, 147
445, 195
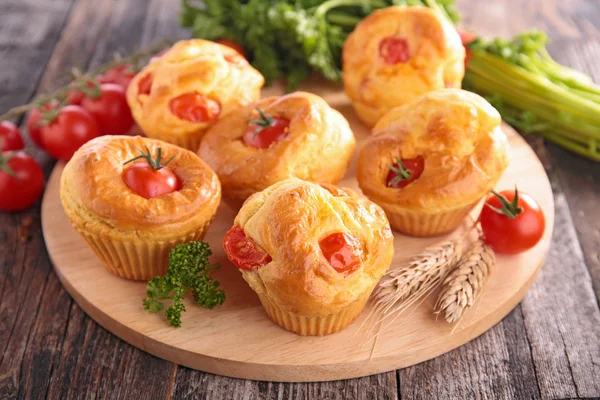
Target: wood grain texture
574, 27
234, 334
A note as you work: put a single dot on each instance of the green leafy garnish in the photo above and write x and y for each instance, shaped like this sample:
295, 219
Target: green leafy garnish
189, 270
402, 173
290, 38
534, 93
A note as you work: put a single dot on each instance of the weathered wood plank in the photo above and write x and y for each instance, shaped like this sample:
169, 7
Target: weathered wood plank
28, 32
496, 365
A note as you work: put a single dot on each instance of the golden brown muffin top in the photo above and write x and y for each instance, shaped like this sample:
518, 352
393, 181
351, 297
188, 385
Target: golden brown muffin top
287, 221
459, 136
92, 186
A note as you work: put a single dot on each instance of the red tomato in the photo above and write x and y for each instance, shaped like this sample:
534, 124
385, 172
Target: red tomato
342, 250
394, 50
397, 180
233, 45
262, 137
110, 109
73, 127
149, 182
10, 137
145, 85
466, 38
194, 107
20, 192
34, 121
121, 75
517, 234
75, 97
242, 251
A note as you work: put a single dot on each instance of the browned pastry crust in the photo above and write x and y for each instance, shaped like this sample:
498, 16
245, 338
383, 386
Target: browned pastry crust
465, 151
287, 220
213, 70
436, 59
92, 187
318, 147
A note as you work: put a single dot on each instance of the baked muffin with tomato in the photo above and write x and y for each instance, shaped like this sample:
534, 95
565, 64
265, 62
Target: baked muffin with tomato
312, 253
395, 55
182, 93
134, 199
430, 162
296, 135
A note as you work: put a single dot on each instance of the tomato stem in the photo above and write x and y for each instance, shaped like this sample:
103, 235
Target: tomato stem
402, 173
510, 209
4, 159
265, 121
154, 163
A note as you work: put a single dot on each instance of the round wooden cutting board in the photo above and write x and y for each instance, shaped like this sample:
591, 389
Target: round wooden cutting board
238, 339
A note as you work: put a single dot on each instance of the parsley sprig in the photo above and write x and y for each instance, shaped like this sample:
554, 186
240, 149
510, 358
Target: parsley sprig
189, 270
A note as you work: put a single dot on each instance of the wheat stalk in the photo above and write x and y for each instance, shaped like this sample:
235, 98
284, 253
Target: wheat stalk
463, 286
400, 288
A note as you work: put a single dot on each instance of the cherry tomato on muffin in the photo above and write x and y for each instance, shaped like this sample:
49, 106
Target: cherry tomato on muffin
233, 45
72, 127
10, 137
194, 107
21, 181
145, 85
242, 251
512, 222
342, 251
35, 122
150, 178
121, 75
405, 171
394, 50
466, 38
266, 130
110, 109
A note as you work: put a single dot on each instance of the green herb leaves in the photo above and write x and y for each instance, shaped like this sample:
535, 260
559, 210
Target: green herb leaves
189, 270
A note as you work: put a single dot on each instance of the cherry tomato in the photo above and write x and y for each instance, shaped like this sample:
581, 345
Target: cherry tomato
262, 137
342, 250
149, 182
75, 97
466, 38
517, 234
10, 137
34, 121
73, 127
397, 180
121, 75
233, 45
394, 50
110, 109
21, 191
145, 85
242, 251
194, 107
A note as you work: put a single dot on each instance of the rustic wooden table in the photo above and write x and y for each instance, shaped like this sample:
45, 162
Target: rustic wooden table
548, 347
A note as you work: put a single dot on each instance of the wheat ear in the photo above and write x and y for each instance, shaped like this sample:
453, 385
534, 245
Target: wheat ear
400, 288
465, 284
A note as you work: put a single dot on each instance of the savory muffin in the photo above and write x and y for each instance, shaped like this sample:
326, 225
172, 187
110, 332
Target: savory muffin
312, 253
428, 163
182, 93
132, 206
296, 135
397, 54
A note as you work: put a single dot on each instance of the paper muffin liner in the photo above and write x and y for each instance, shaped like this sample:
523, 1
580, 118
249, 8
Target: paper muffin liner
314, 325
136, 259
421, 224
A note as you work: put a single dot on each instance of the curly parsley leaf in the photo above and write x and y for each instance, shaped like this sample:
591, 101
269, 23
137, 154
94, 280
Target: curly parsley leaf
189, 270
